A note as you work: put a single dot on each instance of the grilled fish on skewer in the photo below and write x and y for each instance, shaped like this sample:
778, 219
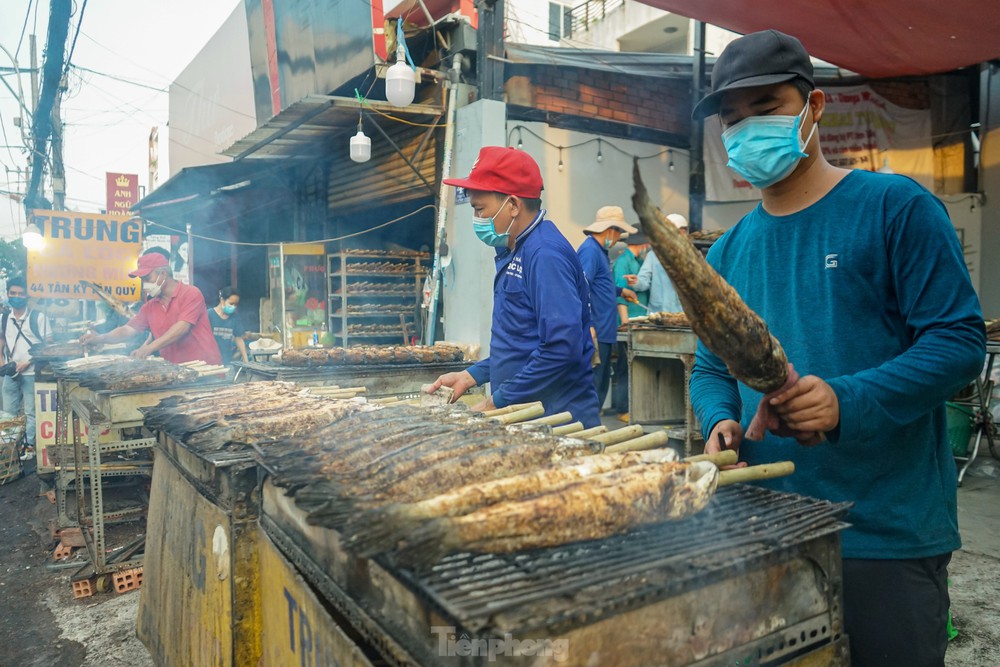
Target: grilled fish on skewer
720, 318
482, 466
603, 505
381, 528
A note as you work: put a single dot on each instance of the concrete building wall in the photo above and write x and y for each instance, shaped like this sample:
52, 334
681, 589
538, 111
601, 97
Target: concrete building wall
467, 291
211, 102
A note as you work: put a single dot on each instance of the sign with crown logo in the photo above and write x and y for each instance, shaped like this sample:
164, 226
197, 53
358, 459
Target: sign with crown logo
123, 192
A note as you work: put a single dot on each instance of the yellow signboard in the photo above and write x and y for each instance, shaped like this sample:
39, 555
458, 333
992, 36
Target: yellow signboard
84, 246
297, 628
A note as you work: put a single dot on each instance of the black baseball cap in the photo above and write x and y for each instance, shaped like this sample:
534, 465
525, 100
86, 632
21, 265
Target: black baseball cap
758, 59
637, 237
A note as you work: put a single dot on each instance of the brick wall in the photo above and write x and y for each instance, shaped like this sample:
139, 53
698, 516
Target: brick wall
659, 104
906, 94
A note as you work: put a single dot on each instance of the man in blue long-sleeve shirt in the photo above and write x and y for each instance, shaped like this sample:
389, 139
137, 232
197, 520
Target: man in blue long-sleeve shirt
606, 230
540, 345
861, 278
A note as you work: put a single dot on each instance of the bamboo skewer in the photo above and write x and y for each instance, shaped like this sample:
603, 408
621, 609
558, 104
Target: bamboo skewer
724, 458
573, 428
338, 390
553, 420
618, 435
385, 400
520, 415
589, 433
515, 407
648, 441
752, 473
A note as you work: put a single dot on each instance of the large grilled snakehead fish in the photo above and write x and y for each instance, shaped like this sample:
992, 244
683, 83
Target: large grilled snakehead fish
720, 318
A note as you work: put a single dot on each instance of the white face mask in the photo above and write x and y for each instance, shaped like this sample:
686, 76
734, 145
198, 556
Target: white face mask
152, 289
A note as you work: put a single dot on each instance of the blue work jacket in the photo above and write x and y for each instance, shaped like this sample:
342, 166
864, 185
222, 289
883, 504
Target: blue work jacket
603, 292
540, 345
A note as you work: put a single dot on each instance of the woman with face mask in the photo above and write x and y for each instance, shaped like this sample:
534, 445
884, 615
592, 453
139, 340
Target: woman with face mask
227, 326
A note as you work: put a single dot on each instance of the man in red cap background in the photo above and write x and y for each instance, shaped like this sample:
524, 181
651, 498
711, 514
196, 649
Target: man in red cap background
540, 345
175, 313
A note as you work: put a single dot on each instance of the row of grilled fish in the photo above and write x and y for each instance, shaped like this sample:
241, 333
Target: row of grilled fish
424, 482
372, 354
120, 373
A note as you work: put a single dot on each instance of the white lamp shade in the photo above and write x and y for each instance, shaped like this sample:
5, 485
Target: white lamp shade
32, 237
400, 84
361, 147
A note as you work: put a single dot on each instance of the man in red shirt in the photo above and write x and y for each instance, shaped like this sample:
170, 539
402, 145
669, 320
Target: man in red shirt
176, 315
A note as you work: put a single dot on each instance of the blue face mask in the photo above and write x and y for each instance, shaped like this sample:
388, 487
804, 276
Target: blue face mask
486, 230
17, 302
229, 309
766, 149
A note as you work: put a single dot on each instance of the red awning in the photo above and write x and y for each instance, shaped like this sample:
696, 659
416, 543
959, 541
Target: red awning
880, 39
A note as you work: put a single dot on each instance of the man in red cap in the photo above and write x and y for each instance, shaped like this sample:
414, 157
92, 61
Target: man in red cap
175, 314
540, 345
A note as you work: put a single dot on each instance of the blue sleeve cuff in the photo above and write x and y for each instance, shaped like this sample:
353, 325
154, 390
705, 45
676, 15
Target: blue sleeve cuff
618, 290
849, 427
499, 400
480, 374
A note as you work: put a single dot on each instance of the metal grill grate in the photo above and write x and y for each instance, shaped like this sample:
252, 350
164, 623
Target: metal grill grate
742, 525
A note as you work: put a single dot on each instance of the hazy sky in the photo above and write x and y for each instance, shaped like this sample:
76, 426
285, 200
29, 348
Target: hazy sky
106, 121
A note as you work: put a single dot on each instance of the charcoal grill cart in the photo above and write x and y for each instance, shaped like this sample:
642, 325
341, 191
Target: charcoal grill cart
755, 579
660, 362
201, 559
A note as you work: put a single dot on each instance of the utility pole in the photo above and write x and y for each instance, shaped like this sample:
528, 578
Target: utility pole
696, 178
52, 75
34, 73
490, 49
58, 172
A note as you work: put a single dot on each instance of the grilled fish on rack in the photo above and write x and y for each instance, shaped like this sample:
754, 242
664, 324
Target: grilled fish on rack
600, 506
526, 452
184, 414
307, 414
126, 374
381, 528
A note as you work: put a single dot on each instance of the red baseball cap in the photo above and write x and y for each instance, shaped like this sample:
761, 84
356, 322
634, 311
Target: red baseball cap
147, 263
504, 170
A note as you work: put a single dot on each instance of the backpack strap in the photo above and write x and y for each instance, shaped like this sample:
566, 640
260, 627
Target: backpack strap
33, 319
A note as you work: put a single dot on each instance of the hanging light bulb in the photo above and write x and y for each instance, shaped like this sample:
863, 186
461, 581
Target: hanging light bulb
560, 159
600, 155
400, 85
32, 237
361, 146
520, 144
670, 163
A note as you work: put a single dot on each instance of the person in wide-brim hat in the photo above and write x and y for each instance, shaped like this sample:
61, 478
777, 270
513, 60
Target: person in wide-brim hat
607, 229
